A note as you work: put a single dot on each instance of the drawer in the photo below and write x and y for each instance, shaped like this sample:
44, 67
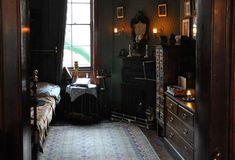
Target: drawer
179, 144
183, 130
186, 116
171, 105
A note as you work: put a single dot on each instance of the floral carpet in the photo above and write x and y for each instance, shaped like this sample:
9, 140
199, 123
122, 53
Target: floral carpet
103, 141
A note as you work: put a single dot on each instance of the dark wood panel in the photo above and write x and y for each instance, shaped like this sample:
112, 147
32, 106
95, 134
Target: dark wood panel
11, 53
212, 80
183, 147
14, 81
24, 78
1, 93
171, 105
232, 92
218, 129
133, 100
1, 78
186, 116
185, 131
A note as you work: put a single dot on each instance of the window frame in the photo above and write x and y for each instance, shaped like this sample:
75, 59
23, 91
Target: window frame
92, 38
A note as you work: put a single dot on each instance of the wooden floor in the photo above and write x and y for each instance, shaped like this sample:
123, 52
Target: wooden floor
157, 144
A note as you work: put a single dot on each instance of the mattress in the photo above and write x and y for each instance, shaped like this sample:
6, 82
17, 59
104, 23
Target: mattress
50, 94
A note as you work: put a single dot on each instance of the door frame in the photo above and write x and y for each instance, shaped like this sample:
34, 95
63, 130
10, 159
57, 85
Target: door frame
232, 91
213, 80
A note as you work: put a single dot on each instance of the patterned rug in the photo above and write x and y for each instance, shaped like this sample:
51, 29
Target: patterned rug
104, 141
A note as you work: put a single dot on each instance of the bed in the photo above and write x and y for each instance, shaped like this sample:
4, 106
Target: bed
46, 97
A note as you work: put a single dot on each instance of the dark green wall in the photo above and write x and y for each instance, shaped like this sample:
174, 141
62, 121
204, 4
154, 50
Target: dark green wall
110, 44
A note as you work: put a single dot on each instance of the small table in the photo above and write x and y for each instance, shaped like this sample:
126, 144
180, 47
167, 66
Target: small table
77, 90
83, 100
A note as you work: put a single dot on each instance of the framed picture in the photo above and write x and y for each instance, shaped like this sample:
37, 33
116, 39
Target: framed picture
120, 12
187, 8
162, 10
186, 27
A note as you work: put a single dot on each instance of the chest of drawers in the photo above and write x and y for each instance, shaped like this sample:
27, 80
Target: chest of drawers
170, 62
180, 126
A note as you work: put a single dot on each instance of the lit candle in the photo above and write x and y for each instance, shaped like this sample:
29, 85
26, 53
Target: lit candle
188, 93
194, 30
154, 30
115, 30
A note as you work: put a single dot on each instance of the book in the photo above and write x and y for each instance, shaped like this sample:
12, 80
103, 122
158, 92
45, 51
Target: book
176, 90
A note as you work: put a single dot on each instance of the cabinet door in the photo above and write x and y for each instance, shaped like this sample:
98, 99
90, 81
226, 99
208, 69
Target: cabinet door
133, 100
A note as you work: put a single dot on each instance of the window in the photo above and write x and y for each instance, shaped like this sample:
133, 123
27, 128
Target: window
78, 34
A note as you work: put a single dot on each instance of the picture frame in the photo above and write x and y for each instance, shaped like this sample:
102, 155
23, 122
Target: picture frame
162, 10
120, 12
187, 8
185, 29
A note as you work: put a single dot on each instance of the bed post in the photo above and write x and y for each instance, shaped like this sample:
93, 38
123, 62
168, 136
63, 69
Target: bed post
34, 103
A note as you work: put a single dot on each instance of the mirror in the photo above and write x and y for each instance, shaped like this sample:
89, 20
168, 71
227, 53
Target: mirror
140, 29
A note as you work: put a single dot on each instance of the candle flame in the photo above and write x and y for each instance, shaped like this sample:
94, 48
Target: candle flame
188, 93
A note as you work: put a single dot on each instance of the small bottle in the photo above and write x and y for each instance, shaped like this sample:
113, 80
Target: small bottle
76, 67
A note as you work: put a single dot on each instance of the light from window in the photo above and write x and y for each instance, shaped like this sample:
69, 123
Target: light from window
77, 45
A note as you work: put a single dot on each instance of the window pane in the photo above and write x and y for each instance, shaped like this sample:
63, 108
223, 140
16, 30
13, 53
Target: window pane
69, 16
82, 55
68, 33
67, 60
81, 14
80, 35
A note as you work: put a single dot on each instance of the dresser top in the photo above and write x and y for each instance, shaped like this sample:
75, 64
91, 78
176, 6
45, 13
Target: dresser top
179, 99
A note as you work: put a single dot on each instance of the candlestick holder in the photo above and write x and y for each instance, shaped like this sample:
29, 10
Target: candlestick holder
188, 97
146, 51
129, 51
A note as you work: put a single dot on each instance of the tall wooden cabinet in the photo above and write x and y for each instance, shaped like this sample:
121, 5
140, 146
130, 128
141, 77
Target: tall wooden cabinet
138, 91
171, 61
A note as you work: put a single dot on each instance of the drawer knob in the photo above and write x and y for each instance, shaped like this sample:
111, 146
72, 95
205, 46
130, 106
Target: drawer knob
171, 135
184, 116
171, 119
217, 156
170, 106
185, 131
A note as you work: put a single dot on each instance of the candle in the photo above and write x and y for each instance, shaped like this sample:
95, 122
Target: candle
154, 30
146, 51
115, 30
188, 93
129, 55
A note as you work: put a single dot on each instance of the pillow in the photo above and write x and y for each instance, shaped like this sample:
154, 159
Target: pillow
48, 89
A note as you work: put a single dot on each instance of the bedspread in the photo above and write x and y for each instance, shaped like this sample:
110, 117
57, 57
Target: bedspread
44, 117
50, 94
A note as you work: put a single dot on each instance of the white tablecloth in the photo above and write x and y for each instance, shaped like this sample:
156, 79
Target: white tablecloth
76, 91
